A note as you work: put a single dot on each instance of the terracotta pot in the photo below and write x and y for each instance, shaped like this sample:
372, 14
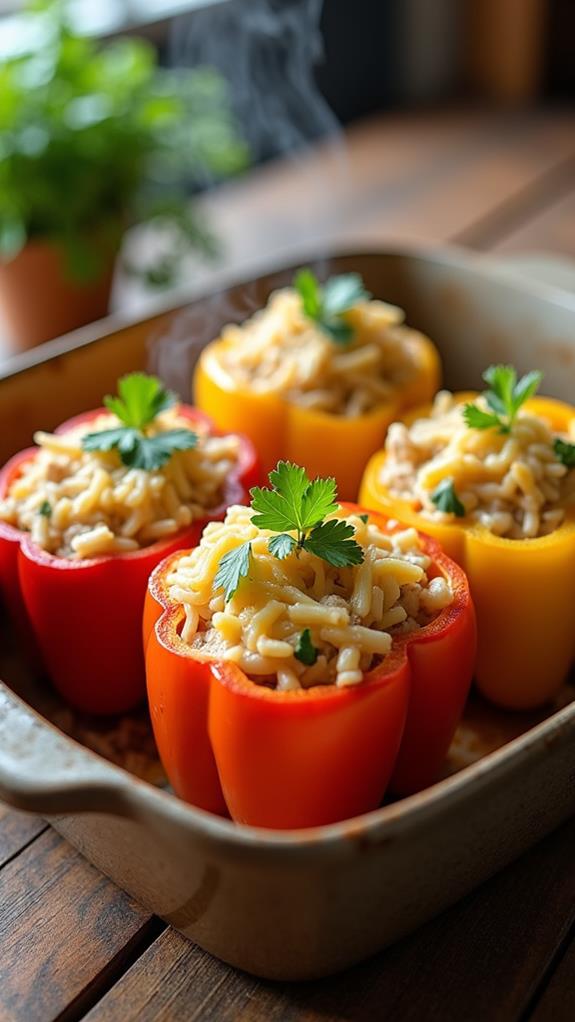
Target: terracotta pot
39, 300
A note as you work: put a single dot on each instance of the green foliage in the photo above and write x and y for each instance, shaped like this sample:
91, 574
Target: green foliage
295, 504
505, 396
445, 499
564, 452
94, 138
305, 650
326, 305
232, 568
141, 399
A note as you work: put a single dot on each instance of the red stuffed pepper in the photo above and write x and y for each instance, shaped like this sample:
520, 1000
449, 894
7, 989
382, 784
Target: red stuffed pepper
322, 735
83, 600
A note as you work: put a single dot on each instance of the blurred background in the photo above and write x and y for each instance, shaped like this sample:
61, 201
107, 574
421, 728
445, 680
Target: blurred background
148, 146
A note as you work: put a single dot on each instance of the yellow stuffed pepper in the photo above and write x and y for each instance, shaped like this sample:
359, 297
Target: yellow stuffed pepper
317, 376
492, 477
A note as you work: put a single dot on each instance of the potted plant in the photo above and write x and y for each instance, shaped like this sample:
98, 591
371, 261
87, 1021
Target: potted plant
94, 138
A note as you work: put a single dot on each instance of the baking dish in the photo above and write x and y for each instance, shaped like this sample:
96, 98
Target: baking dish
298, 904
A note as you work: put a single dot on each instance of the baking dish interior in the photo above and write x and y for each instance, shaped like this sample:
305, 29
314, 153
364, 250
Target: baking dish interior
474, 315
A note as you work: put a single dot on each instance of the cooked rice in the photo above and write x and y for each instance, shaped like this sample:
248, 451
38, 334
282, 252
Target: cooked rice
512, 484
99, 506
352, 613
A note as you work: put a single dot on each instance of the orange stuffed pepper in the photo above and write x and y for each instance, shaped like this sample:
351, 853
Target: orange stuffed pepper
304, 657
492, 477
89, 512
317, 376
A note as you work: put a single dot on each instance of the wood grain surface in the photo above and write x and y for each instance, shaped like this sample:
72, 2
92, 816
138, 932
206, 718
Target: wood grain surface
72, 945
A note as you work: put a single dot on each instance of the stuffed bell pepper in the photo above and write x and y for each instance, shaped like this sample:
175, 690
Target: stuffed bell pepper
317, 376
304, 657
88, 513
492, 477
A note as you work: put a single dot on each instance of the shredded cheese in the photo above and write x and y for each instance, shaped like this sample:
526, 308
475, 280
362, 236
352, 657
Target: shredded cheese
352, 613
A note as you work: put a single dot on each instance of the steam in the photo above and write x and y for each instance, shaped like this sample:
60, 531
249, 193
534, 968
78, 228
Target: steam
267, 51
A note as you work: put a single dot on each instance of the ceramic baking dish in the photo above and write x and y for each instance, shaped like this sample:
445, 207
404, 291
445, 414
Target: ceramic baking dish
299, 904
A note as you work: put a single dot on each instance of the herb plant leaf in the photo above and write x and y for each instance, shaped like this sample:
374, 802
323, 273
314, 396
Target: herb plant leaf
505, 397
141, 399
137, 450
319, 500
274, 511
305, 650
476, 418
333, 542
297, 505
445, 499
233, 566
565, 452
526, 388
308, 288
327, 305
281, 545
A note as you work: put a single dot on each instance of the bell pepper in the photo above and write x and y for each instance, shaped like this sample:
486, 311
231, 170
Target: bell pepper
325, 444
312, 756
85, 615
523, 589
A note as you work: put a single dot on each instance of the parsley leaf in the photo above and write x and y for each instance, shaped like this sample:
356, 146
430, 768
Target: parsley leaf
505, 396
137, 450
476, 418
445, 499
305, 650
141, 399
282, 545
297, 505
332, 541
364, 518
45, 509
564, 452
232, 568
327, 305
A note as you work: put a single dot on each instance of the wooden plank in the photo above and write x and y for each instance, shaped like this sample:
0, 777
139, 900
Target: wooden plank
480, 960
62, 925
16, 831
557, 1001
551, 229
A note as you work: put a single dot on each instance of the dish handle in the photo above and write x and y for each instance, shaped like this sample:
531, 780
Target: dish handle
43, 771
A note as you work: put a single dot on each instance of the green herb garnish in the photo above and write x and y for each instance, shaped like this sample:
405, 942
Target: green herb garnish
445, 499
504, 398
45, 509
297, 505
364, 518
564, 452
233, 566
305, 650
326, 304
141, 398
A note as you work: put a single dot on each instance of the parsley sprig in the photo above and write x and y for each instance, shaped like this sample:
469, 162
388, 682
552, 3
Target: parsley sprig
305, 651
295, 508
445, 499
564, 452
140, 400
504, 398
326, 304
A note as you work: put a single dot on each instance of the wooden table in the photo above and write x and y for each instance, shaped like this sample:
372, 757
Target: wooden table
72, 946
